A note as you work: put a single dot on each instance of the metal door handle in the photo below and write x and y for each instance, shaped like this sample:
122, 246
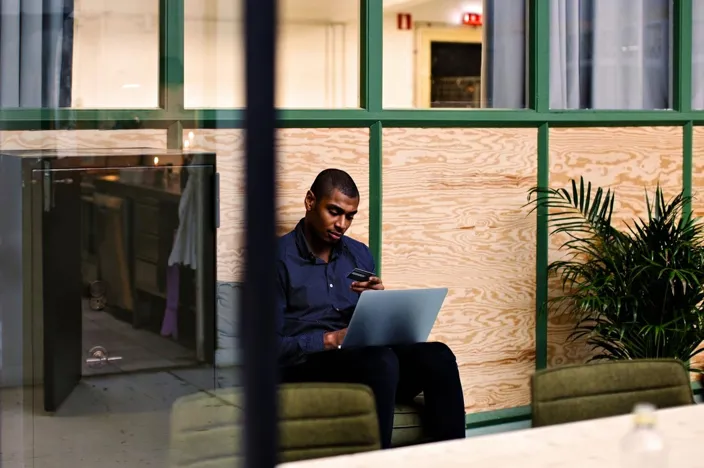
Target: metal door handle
63, 181
99, 357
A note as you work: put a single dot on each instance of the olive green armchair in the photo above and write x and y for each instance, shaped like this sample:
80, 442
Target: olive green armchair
316, 420
581, 392
408, 424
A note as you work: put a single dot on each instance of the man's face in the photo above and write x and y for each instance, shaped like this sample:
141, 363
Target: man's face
331, 216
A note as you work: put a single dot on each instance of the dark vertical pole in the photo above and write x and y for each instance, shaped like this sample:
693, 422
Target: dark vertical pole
258, 320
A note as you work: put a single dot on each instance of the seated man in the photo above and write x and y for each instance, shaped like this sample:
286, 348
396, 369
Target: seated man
315, 300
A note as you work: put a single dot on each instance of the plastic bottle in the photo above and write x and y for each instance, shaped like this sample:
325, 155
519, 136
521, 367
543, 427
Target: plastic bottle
644, 446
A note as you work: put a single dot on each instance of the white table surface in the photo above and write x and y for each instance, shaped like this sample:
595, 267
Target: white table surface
594, 443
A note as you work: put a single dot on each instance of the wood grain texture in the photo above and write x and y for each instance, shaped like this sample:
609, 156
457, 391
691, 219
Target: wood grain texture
698, 195
698, 171
627, 160
302, 154
82, 139
453, 217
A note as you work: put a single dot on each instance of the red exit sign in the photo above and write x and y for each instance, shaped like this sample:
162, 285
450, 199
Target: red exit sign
472, 19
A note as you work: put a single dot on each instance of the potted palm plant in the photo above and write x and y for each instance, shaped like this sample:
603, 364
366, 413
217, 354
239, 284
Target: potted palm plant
634, 291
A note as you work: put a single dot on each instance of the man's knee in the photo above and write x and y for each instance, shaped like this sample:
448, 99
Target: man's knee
438, 359
439, 352
381, 361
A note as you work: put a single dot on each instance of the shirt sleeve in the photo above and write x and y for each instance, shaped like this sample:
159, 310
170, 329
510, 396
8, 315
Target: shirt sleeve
292, 348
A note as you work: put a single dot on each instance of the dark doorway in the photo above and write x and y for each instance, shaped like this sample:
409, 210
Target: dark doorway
128, 262
455, 74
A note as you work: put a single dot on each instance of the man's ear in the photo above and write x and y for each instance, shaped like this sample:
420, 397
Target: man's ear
309, 201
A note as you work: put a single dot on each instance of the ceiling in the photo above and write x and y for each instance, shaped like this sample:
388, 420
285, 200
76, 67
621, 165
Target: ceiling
290, 10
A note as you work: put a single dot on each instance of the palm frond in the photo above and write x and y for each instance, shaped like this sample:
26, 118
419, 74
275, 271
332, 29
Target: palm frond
635, 292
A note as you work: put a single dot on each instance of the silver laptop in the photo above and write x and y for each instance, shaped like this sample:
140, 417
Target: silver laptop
394, 317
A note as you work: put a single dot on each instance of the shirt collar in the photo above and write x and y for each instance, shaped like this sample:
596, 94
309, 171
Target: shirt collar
305, 250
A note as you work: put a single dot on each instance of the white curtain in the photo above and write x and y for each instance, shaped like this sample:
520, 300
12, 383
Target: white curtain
504, 54
604, 54
610, 54
36, 48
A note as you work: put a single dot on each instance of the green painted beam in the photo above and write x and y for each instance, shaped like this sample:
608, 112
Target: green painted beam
35, 119
48, 119
541, 256
539, 55
174, 136
492, 117
371, 35
687, 161
497, 417
171, 54
375, 193
682, 56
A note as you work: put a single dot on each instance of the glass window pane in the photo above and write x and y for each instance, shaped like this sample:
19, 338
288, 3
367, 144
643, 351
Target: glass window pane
79, 53
607, 54
455, 54
698, 54
113, 362
318, 54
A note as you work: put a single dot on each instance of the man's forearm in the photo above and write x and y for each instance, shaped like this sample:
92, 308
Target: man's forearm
291, 348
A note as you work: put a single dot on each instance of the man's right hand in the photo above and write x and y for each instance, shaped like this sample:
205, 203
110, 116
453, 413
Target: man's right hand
333, 340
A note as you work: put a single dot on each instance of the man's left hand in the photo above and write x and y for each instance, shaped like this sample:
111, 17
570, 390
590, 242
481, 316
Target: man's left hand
374, 282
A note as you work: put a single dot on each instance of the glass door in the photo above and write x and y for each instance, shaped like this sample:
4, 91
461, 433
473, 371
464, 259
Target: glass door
128, 309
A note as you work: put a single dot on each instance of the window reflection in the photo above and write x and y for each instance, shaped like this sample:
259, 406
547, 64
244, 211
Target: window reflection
318, 54
452, 54
79, 53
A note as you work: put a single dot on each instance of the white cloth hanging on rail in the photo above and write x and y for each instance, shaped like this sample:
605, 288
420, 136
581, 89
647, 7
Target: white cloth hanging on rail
185, 249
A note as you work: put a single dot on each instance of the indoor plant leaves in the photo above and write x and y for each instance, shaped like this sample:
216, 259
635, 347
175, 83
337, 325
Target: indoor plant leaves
634, 292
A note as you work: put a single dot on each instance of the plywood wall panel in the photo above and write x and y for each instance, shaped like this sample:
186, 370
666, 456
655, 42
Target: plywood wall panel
302, 154
628, 160
453, 216
228, 146
698, 171
698, 195
82, 139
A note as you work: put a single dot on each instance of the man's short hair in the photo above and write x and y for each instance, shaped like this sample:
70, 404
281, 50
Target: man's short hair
334, 179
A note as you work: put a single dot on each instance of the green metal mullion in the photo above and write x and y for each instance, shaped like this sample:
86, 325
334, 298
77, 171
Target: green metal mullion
541, 257
687, 148
34, 119
497, 417
212, 118
687, 156
682, 58
375, 192
45, 119
371, 36
174, 136
539, 55
171, 55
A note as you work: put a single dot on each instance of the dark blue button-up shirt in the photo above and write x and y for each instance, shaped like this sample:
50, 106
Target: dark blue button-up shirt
314, 297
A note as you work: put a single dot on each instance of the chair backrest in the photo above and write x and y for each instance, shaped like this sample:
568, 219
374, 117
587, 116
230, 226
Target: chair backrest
315, 420
324, 420
589, 391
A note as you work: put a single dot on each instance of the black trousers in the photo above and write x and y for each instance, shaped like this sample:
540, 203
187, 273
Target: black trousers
397, 373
